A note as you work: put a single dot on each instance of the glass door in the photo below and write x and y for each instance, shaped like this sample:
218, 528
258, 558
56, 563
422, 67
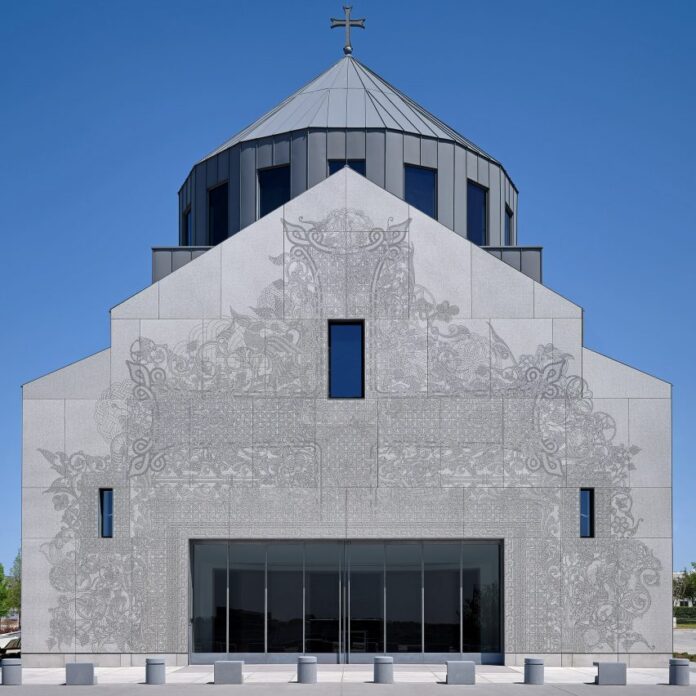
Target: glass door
404, 597
209, 598
247, 598
364, 618
323, 599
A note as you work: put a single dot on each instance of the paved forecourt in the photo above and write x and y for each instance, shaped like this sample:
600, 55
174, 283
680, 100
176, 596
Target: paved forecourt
343, 688
685, 640
351, 678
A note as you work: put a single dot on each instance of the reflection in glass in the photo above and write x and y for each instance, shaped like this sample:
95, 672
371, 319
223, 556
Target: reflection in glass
480, 598
285, 598
441, 601
395, 596
366, 598
247, 583
322, 597
403, 567
209, 596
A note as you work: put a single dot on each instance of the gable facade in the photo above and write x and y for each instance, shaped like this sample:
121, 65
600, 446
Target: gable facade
482, 419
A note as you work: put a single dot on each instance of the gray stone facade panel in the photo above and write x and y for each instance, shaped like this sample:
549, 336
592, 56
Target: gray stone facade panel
482, 418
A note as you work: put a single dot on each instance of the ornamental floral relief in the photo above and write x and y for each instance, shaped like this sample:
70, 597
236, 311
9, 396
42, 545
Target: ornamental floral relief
624, 524
94, 604
197, 422
458, 358
410, 465
606, 588
477, 464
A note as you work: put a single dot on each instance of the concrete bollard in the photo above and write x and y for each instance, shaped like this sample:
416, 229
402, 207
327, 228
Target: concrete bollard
306, 669
155, 671
610, 673
11, 671
79, 674
228, 672
384, 670
461, 672
678, 671
533, 670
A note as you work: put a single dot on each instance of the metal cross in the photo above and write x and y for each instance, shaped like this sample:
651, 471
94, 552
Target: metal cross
348, 23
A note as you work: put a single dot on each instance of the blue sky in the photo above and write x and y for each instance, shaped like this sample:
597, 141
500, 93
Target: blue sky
590, 106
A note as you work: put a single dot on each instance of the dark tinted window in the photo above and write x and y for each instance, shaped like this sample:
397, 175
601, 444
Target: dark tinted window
508, 227
106, 512
442, 605
186, 228
477, 214
247, 597
587, 512
481, 598
404, 582
346, 355
209, 597
420, 188
366, 598
274, 188
357, 165
217, 214
285, 614
322, 596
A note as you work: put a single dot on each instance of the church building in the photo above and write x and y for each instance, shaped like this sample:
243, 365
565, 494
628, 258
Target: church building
347, 419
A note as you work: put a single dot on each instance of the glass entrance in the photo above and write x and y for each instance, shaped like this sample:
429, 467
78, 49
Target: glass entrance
345, 601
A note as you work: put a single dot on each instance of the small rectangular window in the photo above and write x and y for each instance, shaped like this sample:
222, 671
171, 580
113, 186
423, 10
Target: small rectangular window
186, 228
508, 227
587, 512
346, 359
357, 165
106, 513
217, 214
274, 188
477, 213
420, 188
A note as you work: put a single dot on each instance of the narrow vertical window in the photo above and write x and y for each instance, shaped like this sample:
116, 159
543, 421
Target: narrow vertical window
186, 230
477, 214
217, 214
420, 188
346, 359
587, 512
274, 188
106, 513
507, 241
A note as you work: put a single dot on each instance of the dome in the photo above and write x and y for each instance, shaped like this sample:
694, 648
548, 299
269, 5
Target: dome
349, 95
348, 116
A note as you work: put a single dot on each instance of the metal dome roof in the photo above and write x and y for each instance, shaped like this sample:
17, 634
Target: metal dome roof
349, 95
